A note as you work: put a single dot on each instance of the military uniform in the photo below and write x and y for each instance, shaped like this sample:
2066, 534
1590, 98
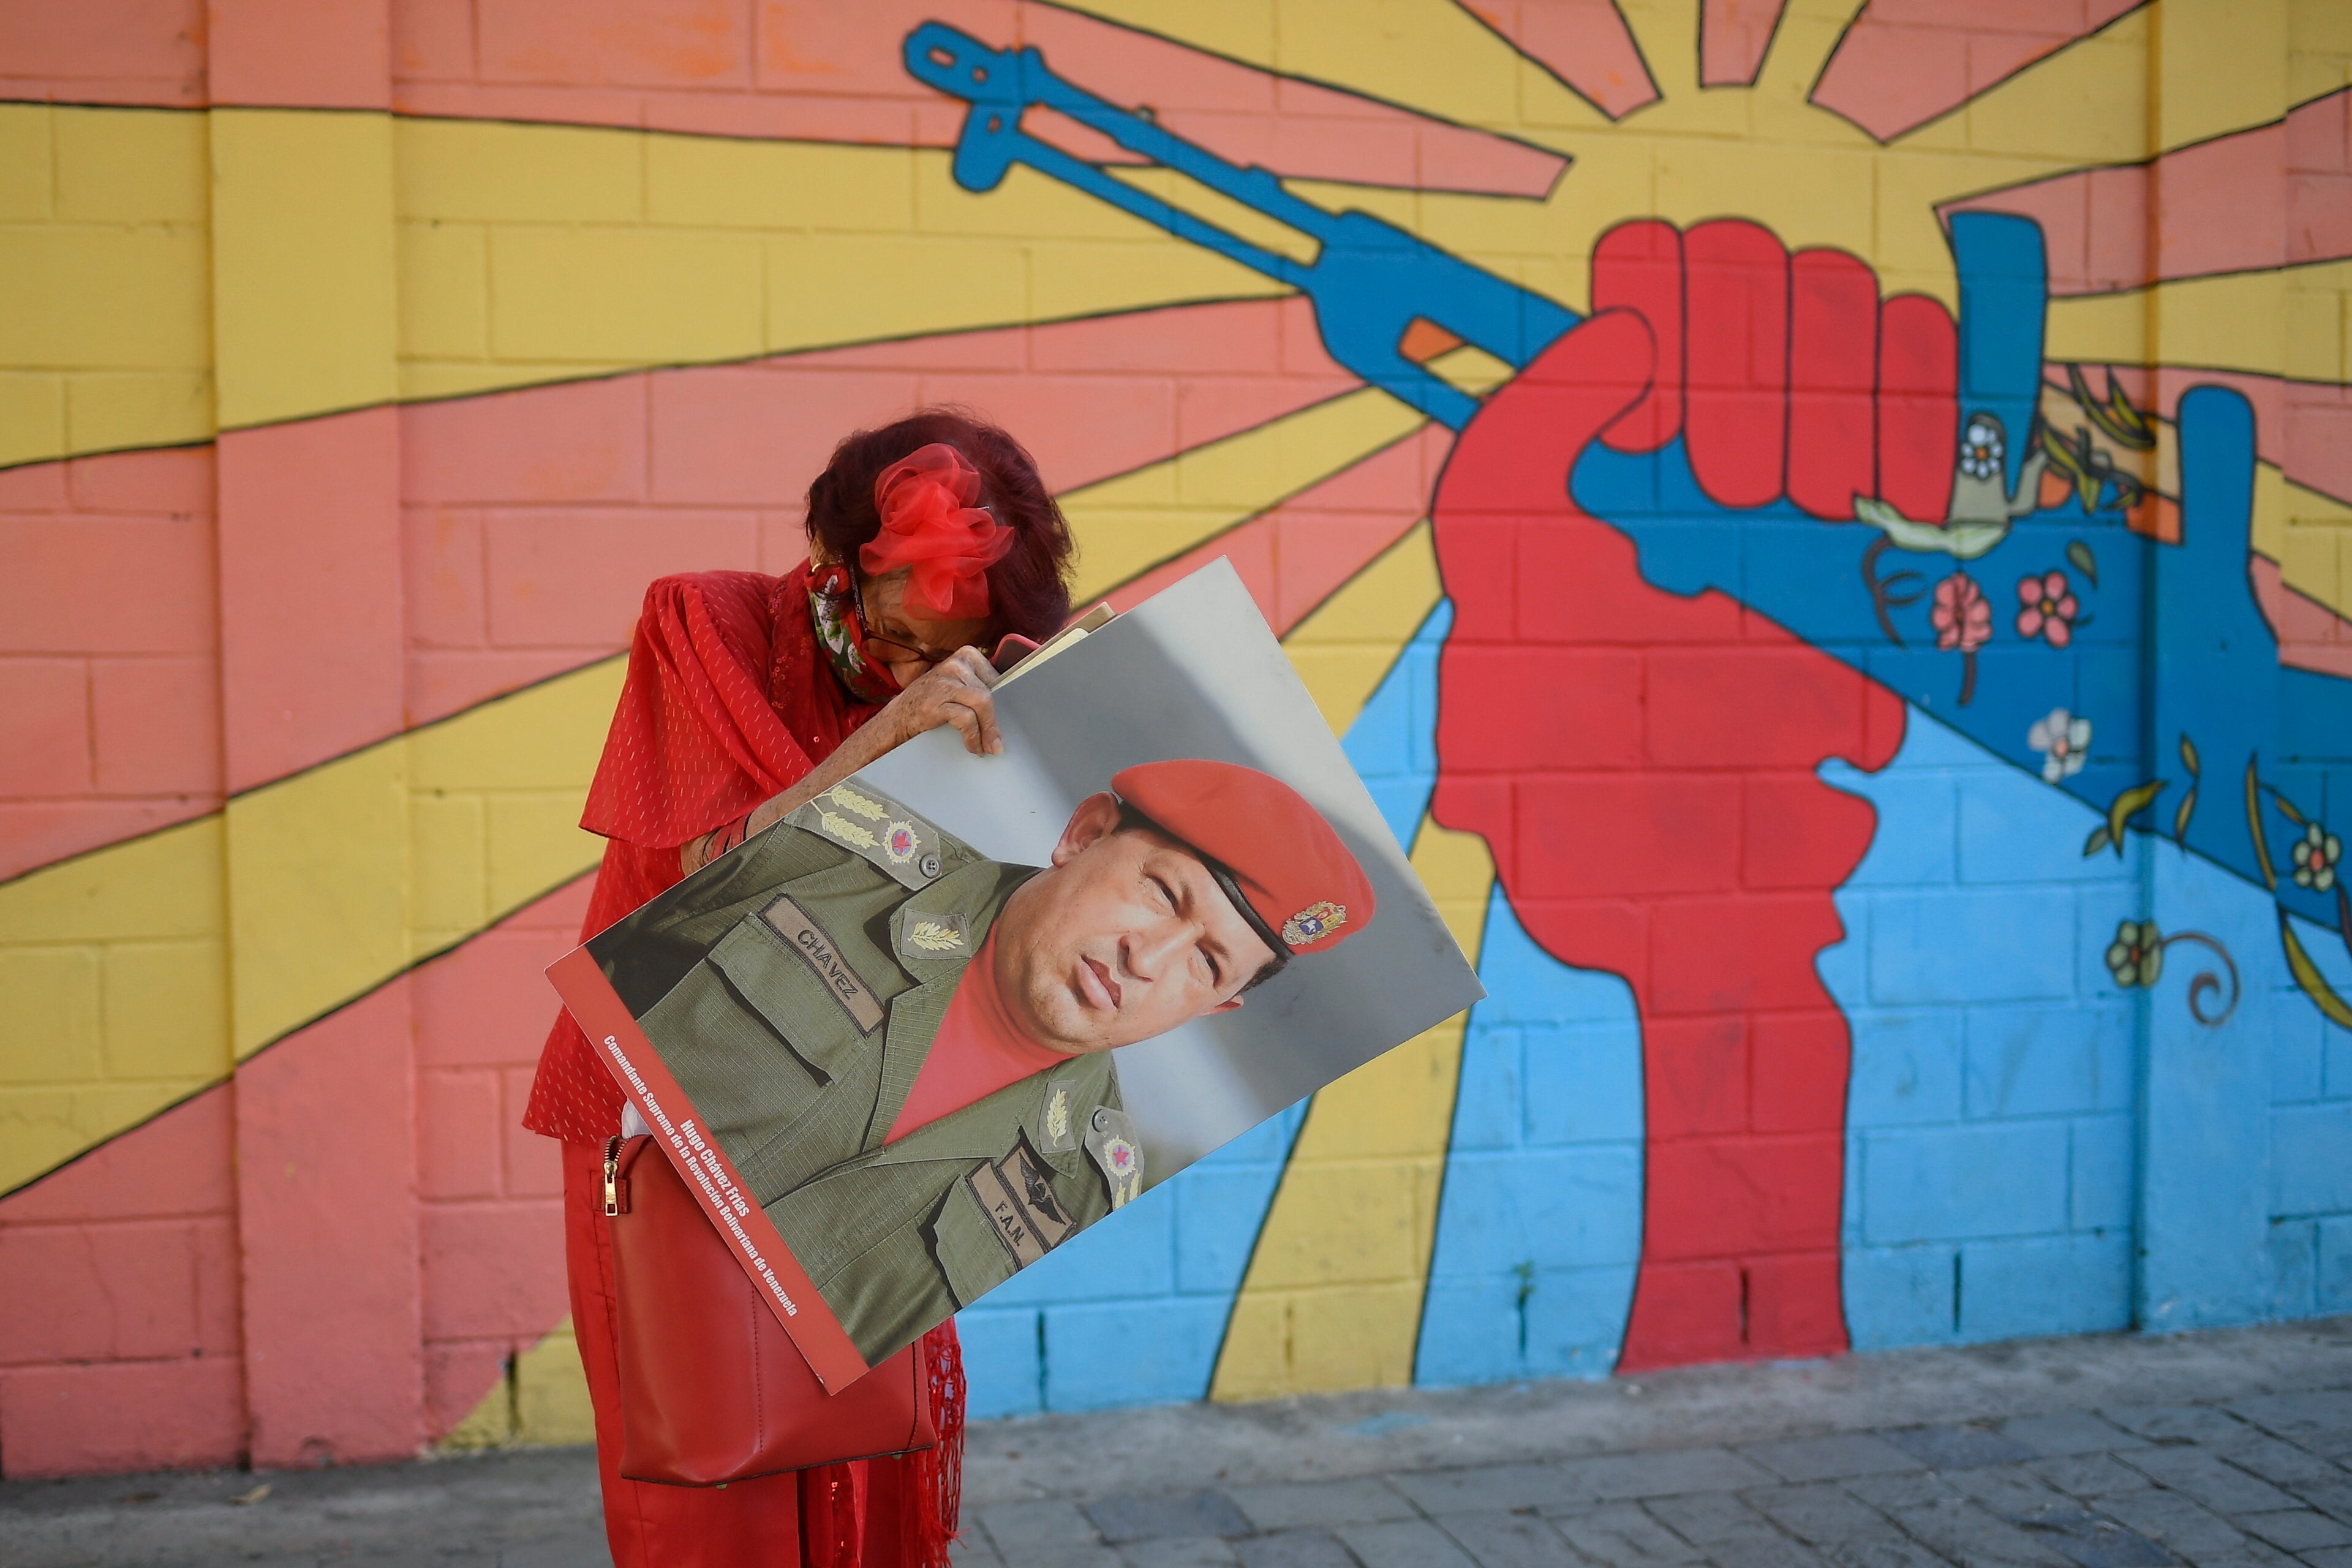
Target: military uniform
795, 991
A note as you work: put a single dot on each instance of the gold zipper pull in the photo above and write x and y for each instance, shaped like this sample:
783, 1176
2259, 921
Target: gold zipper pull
612, 1176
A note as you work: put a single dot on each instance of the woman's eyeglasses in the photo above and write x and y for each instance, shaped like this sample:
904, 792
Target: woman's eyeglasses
931, 658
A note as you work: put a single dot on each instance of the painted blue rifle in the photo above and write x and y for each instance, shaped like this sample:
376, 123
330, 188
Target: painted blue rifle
1368, 283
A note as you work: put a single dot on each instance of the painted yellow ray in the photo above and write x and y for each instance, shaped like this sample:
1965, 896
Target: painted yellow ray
2284, 322
342, 259
152, 967
1333, 1297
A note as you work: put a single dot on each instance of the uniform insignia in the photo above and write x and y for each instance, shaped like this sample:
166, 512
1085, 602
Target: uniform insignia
1054, 1122
851, 801
843, 983
848, 832
1111, 1143
883, 832
1313, 923
1017, 1195
933, 935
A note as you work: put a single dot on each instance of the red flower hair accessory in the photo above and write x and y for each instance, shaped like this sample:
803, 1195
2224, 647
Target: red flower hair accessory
930, 526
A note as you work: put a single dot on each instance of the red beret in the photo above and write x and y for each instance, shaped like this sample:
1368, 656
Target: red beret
1296, 875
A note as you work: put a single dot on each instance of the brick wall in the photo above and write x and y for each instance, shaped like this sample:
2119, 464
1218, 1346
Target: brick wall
360, 368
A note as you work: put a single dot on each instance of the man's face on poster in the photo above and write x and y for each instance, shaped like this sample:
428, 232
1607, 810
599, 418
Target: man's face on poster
1124, 937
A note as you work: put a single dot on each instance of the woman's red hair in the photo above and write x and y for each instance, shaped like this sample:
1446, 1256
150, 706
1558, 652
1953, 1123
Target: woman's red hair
1028, 589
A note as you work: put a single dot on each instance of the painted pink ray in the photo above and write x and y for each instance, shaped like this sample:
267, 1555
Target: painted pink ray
1732, 38
812, 70
1903, 63
2304, 427
2310, 635
1295, 555
531, 521
2220, 206
1584, 44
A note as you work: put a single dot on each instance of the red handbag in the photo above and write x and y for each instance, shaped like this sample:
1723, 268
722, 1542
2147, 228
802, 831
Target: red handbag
712, 1389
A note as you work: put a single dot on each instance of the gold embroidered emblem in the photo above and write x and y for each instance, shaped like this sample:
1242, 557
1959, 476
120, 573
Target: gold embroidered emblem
1313, 923
848, 832
1057, 1117
851, 801
934, 936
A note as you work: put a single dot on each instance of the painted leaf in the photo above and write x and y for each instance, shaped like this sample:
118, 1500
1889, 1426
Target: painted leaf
2254, 825
2306, 975
2188, 754
2128, 804
2079, 554
2094, 843
2181, 818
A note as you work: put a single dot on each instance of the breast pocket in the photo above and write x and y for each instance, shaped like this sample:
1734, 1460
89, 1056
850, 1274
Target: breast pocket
782, 964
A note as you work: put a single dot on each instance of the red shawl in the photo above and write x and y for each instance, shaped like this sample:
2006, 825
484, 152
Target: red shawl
729, 700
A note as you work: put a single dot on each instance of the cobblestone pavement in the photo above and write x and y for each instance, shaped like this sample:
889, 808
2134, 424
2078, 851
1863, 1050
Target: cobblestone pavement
2215, 1450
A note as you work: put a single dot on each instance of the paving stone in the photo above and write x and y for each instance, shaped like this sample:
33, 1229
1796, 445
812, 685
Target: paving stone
2334, 1557
1616, 1475
1018, 1529
1821, 1514
1765, 1550
1707, 1520
579, 1549
2088, 1475
1957, 1448
1367, 1501
1894, 1551
1622, 1535
2005, 1490
1407, 1543
1490, 1488
2088, 1539
2320, 1420
2296, 1529
2176, 1423
2219, 1486
1125, 1519
1831, 1457
2068, 1432
1293, 1549
1891, 1492
971, 1550
2331, 1497
1963, 1532
2176, 1521
1508, 1541
1179, 1551
2280, 1462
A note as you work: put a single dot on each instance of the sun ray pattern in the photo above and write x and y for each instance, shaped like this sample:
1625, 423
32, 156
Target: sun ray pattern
1744, 478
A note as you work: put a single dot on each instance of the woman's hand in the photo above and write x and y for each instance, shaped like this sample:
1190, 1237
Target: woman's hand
953, 692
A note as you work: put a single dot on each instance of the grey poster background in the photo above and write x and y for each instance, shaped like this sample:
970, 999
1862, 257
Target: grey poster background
1196, 671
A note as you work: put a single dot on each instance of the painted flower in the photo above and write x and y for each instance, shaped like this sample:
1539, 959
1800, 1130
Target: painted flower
1981, 448
2136, 955
2049, 608
2316, 855
2064, 743
1962, 617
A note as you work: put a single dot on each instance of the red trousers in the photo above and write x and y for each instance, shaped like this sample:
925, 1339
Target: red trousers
747, 1524
864, 1515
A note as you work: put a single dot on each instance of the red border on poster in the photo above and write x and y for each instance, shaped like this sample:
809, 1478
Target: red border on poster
710, 1174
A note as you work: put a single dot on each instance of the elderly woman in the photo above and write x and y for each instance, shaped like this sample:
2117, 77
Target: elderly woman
929, 540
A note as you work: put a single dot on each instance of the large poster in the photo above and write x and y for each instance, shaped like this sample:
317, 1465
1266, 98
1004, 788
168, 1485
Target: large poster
957, 1008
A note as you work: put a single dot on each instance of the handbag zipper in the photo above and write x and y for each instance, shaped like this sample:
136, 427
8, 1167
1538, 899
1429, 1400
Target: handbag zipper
612, 1176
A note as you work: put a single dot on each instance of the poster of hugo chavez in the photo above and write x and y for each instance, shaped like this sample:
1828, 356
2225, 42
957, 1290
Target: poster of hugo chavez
958, 1009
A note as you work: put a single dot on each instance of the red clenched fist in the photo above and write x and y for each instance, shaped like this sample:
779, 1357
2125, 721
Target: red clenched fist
1785, 373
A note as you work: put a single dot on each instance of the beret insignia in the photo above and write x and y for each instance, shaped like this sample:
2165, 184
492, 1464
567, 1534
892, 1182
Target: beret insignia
1314, 923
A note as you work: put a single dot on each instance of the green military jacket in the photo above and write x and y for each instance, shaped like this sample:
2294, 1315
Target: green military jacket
794, 988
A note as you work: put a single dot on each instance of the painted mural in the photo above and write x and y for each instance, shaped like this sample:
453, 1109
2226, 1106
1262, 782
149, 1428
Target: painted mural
1826, 526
